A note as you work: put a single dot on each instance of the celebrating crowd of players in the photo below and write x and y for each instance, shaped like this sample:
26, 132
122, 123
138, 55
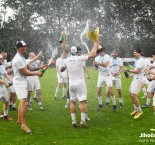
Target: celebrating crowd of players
24, 76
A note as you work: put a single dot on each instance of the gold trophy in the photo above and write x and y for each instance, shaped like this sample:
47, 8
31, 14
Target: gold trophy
93, 35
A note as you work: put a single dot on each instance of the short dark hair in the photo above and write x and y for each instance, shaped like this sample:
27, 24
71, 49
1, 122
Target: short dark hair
101, 50
138, 50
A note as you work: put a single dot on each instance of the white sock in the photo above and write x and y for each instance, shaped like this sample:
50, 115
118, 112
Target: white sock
68, 100
120, 100
83, 116
39, 103
139, 109
144, 91
113, 100
100, 100
64, 91
148, 101
135, 107
56, 91
5, 112
73, 117
107, 99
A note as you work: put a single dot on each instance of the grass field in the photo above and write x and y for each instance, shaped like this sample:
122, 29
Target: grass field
53, 125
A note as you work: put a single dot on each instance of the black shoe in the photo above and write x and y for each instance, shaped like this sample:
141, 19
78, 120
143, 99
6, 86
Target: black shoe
107, 104
74, 125
114, 108
55, 98
121, 105
35, 99
99, 107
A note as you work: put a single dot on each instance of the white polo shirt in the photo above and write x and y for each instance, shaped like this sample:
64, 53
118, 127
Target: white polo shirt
139, 63
19, 62
103, 71
115, 64
74, 66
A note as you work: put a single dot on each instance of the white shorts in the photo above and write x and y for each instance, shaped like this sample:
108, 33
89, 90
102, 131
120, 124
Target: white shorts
117, 82
107, 79
151, 86
21, 91
11, 89
135, 86
62, 80
78, 91
33, 83
4, 94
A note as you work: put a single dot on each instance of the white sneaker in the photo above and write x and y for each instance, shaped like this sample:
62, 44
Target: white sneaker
84, 124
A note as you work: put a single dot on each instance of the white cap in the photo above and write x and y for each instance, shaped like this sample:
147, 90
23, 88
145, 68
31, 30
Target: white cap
73, 49
1, 56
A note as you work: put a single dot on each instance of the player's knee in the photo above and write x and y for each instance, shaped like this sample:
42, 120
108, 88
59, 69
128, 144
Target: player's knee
99, 92
38, 92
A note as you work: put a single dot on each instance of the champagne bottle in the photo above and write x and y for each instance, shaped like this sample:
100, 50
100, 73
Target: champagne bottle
126, 74
62, 37
10, 84
43, 70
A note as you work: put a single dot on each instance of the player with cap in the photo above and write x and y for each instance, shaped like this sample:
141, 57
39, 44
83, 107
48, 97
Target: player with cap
21, 71
77, 86
3, 92
135, 87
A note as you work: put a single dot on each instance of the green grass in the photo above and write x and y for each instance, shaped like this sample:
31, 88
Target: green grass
53, 125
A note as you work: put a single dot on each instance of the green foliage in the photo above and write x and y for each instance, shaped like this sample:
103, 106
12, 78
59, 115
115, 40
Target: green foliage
124, 24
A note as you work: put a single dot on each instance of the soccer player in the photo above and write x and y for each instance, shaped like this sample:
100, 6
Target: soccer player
77, 86
145, 81
151, 85
5, 64
139, 67
116, 68
11, 90
102, 63
62, 76
3, 92
33, 81
21, 71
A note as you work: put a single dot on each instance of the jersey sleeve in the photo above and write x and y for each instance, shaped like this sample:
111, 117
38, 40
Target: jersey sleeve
140, 64
83, 58
20, 64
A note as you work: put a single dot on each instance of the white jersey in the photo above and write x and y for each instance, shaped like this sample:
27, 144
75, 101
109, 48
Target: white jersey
74, 66
59, 63
147, 63
18, 63
5, 63
139, 63
103, 71
2, 72
115, 64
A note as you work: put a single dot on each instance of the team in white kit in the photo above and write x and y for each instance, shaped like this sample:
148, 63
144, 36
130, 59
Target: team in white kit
24, 75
